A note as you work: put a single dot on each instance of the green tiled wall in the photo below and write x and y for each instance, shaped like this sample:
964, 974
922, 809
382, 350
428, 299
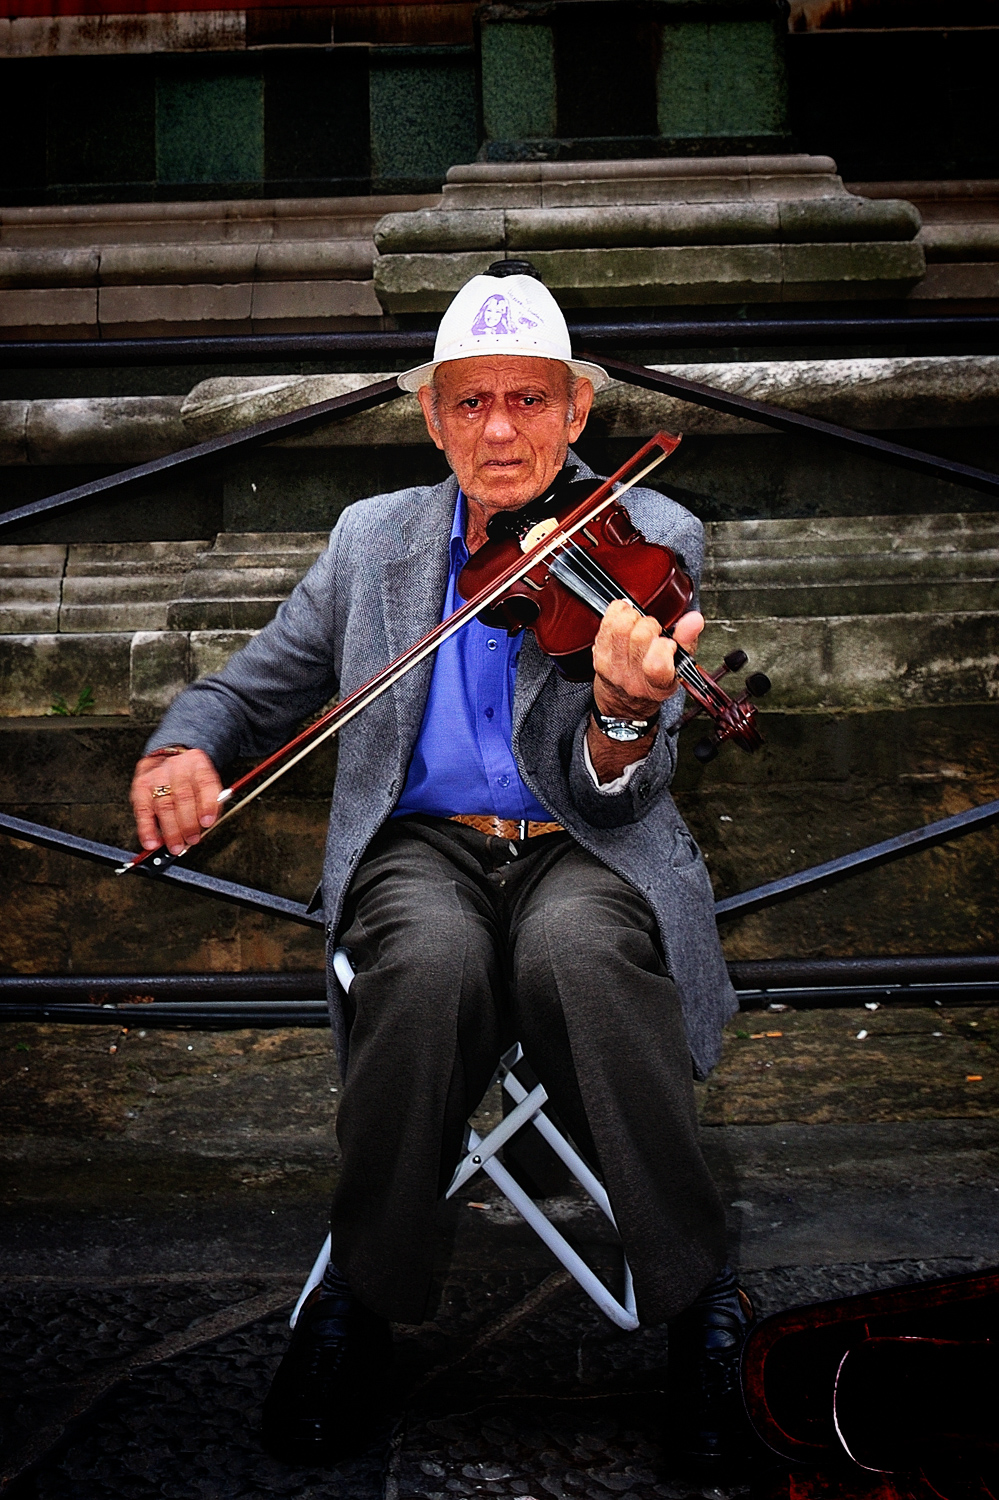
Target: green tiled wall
423, 116
518, 81
722, 78
209, 128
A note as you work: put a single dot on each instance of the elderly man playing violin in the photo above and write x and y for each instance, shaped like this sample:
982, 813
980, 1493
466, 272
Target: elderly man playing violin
504, 862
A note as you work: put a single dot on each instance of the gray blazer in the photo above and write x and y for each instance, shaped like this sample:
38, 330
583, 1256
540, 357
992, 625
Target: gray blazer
379, 587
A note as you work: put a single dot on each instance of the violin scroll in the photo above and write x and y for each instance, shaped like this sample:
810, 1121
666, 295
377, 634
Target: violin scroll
736, 718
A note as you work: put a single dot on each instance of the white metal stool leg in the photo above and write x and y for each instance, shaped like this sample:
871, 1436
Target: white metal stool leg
481, 1157
315, 1277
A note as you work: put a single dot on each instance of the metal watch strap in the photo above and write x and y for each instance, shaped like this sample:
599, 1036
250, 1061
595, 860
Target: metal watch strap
623, 730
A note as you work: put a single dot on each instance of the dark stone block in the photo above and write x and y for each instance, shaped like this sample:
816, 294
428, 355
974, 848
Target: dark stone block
181, 508
741, 479
307, 490
100, 120
22, 130
316, 117
605, 68
920, 102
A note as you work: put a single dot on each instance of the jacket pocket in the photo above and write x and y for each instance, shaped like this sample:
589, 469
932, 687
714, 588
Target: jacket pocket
685, 850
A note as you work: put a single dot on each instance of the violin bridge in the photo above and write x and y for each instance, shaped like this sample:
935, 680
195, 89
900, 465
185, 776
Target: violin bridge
538, 533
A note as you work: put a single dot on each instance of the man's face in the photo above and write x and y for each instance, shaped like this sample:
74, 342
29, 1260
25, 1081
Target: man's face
503, 424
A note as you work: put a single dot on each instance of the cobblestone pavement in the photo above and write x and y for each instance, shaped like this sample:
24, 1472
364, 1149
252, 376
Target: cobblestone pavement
162, 1196
518, 1388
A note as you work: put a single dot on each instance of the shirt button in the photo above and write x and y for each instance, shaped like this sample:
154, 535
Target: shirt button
491, 645
489, 713
503, 780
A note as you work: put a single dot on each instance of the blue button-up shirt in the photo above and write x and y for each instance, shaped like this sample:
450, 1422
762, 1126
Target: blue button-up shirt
463, 760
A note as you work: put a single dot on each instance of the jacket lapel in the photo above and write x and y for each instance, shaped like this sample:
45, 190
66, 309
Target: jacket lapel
413, 586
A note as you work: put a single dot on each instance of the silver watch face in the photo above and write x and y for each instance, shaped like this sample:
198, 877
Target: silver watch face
620, 729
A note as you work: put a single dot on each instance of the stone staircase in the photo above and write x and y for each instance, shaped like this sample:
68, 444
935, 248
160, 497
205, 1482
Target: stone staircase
842, 612
146, 270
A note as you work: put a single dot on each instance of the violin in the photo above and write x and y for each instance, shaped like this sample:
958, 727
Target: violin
562, 598
554, 577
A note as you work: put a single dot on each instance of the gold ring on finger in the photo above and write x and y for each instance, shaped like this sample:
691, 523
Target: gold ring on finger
162, 791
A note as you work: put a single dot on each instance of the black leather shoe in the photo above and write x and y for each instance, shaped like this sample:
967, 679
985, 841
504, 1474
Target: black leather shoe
706, 1426
329, 1396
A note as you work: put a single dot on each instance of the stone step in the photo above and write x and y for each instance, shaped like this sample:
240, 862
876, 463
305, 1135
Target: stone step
895, 566
117, 601
272, 541
815, 601
853, 565
250, 581
814, 220
888, 625
226, 221
31, 613
669, 276
225, 613
237, 583
842, 536
717, 179
182, 265
148, 559
39, 561
959, 391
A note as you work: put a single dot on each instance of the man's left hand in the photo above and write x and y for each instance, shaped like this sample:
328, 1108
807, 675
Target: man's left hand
634, 660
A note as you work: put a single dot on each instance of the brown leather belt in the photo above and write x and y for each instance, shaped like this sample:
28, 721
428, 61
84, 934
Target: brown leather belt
503, 828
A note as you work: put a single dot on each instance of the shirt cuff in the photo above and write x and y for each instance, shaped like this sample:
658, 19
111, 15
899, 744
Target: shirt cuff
608, 788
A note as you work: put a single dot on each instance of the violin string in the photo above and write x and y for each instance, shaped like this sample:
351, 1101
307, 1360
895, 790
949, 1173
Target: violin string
587, 568
421, 650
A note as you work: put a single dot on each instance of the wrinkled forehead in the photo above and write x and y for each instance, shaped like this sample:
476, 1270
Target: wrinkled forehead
502, 372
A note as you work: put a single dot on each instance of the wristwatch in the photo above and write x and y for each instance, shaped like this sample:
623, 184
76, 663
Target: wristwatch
623, 730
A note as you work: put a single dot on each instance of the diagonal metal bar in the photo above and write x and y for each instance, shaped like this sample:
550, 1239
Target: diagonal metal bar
196, 880
870, 858
795, 422
290, 424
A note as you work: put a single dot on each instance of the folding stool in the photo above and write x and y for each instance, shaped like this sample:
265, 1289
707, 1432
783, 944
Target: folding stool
481, 1156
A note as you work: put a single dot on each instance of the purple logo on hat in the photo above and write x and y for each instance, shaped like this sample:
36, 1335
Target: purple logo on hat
498, 315
494, 316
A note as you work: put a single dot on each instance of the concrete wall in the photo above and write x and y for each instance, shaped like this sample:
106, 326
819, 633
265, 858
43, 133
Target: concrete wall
823, 785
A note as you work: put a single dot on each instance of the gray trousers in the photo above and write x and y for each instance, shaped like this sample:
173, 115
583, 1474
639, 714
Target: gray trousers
461, 948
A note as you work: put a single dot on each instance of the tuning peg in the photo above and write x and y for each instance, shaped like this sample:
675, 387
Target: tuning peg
735, 661
758, 684
705, 751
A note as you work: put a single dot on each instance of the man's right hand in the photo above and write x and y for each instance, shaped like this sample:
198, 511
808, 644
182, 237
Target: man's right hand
178, 817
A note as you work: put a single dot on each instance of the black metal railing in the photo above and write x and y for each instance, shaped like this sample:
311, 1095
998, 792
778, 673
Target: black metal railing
297, 1000
675, 333
222, 1002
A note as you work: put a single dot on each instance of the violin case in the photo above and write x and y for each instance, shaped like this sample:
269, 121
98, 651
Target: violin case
892, 1395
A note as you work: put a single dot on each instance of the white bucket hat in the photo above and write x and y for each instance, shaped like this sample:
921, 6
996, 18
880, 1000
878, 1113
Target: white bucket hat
503, 315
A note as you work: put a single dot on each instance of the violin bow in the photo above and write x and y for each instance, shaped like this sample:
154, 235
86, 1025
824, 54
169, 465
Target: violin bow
264, 775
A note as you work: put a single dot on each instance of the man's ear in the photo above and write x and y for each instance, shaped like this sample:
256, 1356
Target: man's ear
425, 396
582, 402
